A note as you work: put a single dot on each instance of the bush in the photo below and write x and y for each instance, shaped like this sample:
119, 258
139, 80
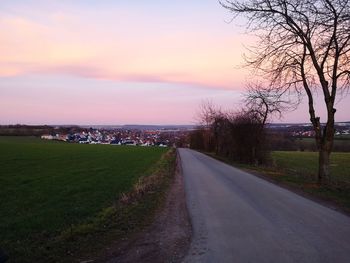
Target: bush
237, 136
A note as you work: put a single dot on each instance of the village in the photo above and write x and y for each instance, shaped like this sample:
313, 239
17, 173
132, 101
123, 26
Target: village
133, 137
311, 133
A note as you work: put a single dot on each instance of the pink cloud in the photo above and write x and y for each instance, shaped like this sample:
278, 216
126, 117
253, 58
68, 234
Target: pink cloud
67, 45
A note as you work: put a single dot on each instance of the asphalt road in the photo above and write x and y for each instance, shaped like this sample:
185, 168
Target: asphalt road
238, 217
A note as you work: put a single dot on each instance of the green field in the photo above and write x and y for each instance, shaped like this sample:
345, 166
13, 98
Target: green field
340, 144
306, 163
298, 170
48, 187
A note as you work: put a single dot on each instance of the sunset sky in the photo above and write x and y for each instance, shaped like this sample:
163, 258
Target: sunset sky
121, 62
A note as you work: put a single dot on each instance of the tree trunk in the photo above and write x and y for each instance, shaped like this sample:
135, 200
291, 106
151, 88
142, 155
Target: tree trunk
324, 166
325, 149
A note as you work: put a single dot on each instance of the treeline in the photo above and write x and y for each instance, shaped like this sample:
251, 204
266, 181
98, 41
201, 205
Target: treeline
34, 130
244, 138
237, 136
241, 135
281, 141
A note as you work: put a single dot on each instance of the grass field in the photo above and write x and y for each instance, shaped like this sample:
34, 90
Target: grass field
342, 137
340, 144
48, 187
306, 163
298, 170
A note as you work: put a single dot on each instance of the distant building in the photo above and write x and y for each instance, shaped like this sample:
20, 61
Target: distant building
48, 137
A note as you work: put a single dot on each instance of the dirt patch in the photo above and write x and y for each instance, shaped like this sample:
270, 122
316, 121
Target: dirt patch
167, 239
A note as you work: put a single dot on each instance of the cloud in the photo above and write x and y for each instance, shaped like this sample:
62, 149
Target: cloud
117, 48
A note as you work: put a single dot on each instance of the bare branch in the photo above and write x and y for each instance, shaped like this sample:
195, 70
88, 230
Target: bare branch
303, 46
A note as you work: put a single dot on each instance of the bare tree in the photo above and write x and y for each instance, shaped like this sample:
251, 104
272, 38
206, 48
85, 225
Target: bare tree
238, 136
263, 103
209, 117
207, 113
304, 47
267, 102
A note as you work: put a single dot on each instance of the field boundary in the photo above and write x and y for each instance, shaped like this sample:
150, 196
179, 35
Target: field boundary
167, 238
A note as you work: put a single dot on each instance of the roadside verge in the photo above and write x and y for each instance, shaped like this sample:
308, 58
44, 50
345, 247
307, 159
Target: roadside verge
166, 238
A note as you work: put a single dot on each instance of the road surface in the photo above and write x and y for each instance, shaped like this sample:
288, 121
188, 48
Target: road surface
238, 217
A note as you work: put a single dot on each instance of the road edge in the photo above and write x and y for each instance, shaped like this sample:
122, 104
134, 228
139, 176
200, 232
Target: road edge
167, 238
324, 202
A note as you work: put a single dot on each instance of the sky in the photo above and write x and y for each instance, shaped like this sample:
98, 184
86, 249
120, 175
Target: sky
122, 62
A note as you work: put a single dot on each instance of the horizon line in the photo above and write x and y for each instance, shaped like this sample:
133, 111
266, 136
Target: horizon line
134, 124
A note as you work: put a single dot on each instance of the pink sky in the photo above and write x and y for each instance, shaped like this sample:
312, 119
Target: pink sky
103, 62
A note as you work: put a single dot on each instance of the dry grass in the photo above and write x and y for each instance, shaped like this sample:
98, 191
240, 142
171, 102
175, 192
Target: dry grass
145, 184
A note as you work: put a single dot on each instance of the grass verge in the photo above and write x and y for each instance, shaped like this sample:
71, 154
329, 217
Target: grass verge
297, 171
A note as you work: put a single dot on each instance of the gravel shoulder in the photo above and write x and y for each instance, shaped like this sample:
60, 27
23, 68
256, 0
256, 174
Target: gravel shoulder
167, 239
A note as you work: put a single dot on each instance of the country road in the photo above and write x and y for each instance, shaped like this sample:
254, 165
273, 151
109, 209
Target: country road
238, 217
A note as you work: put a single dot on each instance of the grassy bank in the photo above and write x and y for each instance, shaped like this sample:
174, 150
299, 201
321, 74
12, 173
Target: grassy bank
60, 200
298, 171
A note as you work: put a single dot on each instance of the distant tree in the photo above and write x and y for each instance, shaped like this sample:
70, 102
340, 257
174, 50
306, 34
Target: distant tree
238, 136
208, 111
250, 136
304, 46
196, 139
209, 116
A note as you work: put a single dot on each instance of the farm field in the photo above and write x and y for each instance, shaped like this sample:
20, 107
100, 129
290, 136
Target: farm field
48, 187
306, 163
298, 170
340, 144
